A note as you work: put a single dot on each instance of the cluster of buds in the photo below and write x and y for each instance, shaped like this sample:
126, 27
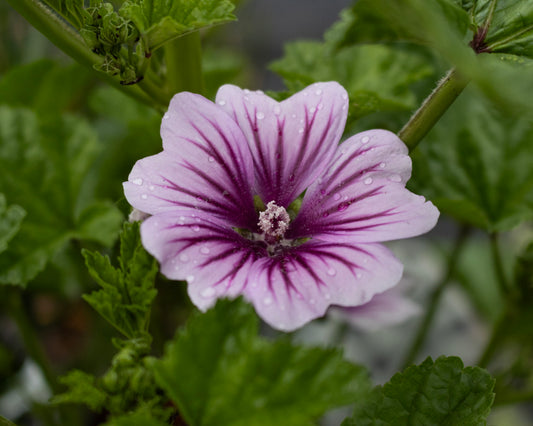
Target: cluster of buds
117, 40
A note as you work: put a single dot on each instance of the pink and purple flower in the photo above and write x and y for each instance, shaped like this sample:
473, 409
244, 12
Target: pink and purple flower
228, 216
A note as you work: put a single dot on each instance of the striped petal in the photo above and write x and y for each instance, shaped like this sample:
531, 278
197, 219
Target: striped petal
209, 255
299, 285
362, 197
292, 141
206, 165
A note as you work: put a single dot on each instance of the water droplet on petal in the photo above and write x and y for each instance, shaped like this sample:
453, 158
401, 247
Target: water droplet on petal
151, 187
337, 196
332, 272
320, 106
358, 275
293, 115
382, 165
395, 178
277, 110
190, 278
342, 206
137, 181
267, 301
318, 92
312, 110
368, 181
211, 159
312, 301
365, 139
222, 103
144, 196
260, 115
195, 228
344, 96
300, 130
325, 214
208, 292
246, 91
204, 250
184, 257
327, 296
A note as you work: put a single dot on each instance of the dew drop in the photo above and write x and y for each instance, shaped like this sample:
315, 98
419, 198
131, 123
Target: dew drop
267, 301
382, 165
365, 139
246, 91
184, 257
260, 115
195, 228
222, 103
358, 275
325, 214
144, 196
342, 206
344, 107
395, 178
320, 106
208, 292
137, 181
318, 92
211, 159
327, 296
204, 250
165, 117
337, 196
190, 278
368, 181
293, 115
344, 96
319, 181
312, 301
312, 110
151, 187
300, 130
277, 110
332, 272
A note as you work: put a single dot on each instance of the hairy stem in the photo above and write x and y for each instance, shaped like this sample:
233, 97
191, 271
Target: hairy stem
435, 105
66, 38
436, 297
183, 58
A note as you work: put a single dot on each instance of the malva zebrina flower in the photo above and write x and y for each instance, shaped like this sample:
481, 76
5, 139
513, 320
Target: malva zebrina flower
257, 198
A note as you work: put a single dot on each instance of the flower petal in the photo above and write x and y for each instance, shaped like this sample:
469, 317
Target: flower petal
383, 310
299, 285
210, 256
206, 164
291, 141
362, 196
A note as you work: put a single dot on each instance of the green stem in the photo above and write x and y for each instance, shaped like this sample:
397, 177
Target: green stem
53, 27
436, 297
183, 58
498, 264
435, 105
31, 342
498, 332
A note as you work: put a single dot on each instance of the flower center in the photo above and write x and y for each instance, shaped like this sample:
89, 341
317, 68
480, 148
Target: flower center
274, 222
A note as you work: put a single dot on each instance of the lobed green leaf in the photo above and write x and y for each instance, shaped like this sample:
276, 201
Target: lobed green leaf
475, 166
44, 168
219, 372
443, 392
10, 219
160, 21
127, 292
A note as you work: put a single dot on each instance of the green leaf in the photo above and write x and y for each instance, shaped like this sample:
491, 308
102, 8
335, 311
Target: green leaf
45, 168
377, 78
160, 21
142, 416
127, 292
219, 372
83, 389
10, 219
476, 166
71, 10
441, 24
443, 392
504, 26
44, 86
6, 422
